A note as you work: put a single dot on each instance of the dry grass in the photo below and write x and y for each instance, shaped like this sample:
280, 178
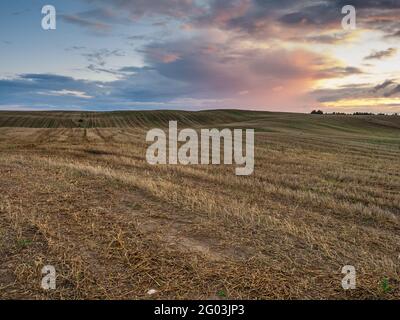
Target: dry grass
325, 194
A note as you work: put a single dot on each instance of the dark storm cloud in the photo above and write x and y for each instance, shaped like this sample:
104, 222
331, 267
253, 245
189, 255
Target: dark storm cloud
375, 14
354, 91
321, 14
383, 85
378, 55
394, 91
255, 18
137, 85
324, 38
33, 82
338, 72
394, 35
41, 88
370, 4
386, 89
206, 67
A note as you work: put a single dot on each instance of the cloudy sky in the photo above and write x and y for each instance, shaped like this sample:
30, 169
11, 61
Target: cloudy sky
282, 55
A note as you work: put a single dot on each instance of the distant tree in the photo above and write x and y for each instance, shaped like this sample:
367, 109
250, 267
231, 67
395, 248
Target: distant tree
363, 114
317, 112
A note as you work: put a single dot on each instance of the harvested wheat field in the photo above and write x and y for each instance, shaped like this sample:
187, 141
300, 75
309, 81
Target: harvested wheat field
78, 194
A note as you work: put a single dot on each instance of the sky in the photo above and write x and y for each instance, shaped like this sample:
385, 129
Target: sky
275, 55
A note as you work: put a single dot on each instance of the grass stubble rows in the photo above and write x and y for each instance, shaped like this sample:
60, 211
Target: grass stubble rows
86, 201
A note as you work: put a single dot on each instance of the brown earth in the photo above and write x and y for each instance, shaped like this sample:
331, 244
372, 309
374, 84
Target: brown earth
325, 194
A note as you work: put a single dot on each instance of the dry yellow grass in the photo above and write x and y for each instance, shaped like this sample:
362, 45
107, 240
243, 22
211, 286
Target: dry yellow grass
86, 201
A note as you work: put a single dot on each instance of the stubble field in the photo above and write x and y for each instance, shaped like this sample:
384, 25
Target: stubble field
77, 193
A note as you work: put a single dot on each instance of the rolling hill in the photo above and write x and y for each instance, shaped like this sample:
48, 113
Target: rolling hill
77, 193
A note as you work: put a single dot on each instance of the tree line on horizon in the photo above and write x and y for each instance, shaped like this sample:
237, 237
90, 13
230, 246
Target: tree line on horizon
320, 112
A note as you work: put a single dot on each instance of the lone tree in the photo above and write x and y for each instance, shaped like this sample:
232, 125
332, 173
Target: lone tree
317, 112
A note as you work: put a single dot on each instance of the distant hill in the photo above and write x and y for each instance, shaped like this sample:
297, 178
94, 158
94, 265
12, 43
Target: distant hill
262, 121
64, 119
